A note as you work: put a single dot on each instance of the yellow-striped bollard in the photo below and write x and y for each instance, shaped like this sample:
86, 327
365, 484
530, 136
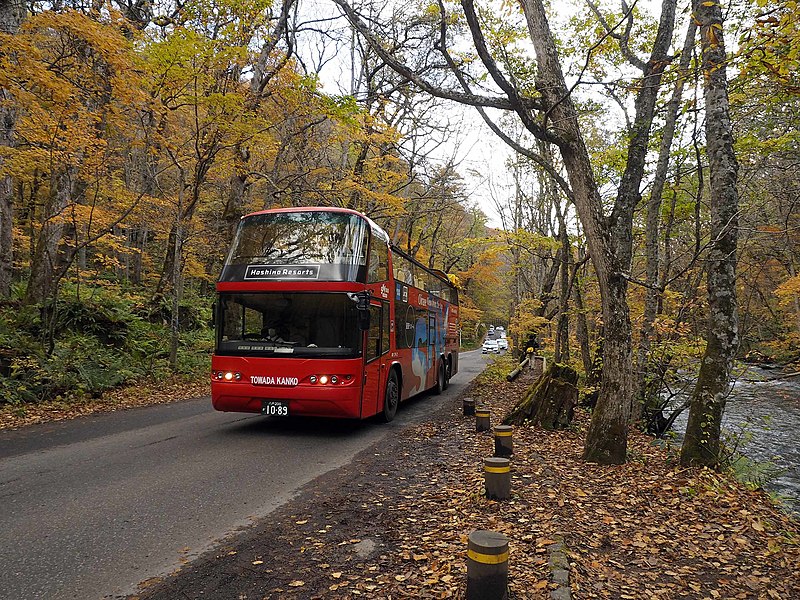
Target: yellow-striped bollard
503, 441
497, 478
487, 566
482, 419
469, 407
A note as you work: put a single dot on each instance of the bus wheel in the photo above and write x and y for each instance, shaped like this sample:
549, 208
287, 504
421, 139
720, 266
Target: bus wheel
440, 382
391, 399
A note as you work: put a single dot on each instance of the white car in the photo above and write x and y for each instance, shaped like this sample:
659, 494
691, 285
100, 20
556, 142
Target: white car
502, 344
489, 346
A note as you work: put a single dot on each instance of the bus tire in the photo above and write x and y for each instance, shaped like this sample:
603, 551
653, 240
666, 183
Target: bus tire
391, 398
440, 382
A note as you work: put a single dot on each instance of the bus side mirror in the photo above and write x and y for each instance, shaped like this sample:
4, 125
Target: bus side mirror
362, 301
362, 305
214, 314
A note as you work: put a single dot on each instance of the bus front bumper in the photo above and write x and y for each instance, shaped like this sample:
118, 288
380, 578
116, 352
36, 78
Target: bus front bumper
345, 406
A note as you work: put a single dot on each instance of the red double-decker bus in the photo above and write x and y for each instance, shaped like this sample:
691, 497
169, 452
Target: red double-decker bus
318, 315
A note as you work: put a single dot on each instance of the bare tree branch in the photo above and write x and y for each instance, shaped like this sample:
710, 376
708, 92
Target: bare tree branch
415, 78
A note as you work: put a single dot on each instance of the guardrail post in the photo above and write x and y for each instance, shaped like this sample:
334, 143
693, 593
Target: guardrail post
497, 478
482, 419
503, 441
487, 566
469, 407
538, 365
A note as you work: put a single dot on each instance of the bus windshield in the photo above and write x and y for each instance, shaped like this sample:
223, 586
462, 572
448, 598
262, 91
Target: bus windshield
288, 324
327, 245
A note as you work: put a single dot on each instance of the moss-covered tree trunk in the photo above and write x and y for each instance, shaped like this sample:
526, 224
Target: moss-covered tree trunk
701, 444
550, 402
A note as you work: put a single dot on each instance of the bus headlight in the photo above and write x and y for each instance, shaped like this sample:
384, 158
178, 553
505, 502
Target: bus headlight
329, 379
227, 375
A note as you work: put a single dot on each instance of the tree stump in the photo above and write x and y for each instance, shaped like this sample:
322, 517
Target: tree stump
550, 401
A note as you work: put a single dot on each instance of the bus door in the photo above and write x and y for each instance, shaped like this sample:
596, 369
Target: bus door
433, 357
374, 366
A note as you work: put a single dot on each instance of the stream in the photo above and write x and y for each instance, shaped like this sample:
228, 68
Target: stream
763, 416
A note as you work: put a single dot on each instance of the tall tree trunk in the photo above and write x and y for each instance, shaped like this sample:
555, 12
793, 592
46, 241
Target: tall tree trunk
653, 222
701, 445
547, 282
184, 216
12, 13
581, 326
562, 322
609, 241
142, 175
237, 194
607, 439
45, 261
6, 208
177, 280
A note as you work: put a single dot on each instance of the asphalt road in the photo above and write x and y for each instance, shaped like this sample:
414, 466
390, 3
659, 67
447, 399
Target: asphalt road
92, 507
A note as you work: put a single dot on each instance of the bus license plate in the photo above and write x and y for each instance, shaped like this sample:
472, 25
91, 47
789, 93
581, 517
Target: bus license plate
272, 408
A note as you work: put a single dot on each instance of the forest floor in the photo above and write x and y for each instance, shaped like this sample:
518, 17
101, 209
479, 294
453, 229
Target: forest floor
145, 393
394, 524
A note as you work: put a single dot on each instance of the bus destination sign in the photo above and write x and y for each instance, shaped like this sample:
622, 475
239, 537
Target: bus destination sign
277, 272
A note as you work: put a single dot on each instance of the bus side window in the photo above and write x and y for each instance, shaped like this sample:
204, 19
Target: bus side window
385, 329
378, 261
374, 332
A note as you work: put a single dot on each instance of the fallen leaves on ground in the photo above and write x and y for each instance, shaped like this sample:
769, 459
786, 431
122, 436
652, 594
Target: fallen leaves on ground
646, 529
145, 393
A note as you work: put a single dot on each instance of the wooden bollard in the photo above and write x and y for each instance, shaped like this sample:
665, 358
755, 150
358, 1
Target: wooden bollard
503, 441
482, 419
497, 478
469, 407
487, 566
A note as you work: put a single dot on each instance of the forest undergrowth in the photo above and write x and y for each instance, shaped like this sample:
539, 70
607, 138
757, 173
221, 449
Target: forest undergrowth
98, 350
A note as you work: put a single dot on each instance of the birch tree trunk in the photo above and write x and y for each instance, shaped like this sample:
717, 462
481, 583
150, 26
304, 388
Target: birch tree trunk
12, 13
701, 445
